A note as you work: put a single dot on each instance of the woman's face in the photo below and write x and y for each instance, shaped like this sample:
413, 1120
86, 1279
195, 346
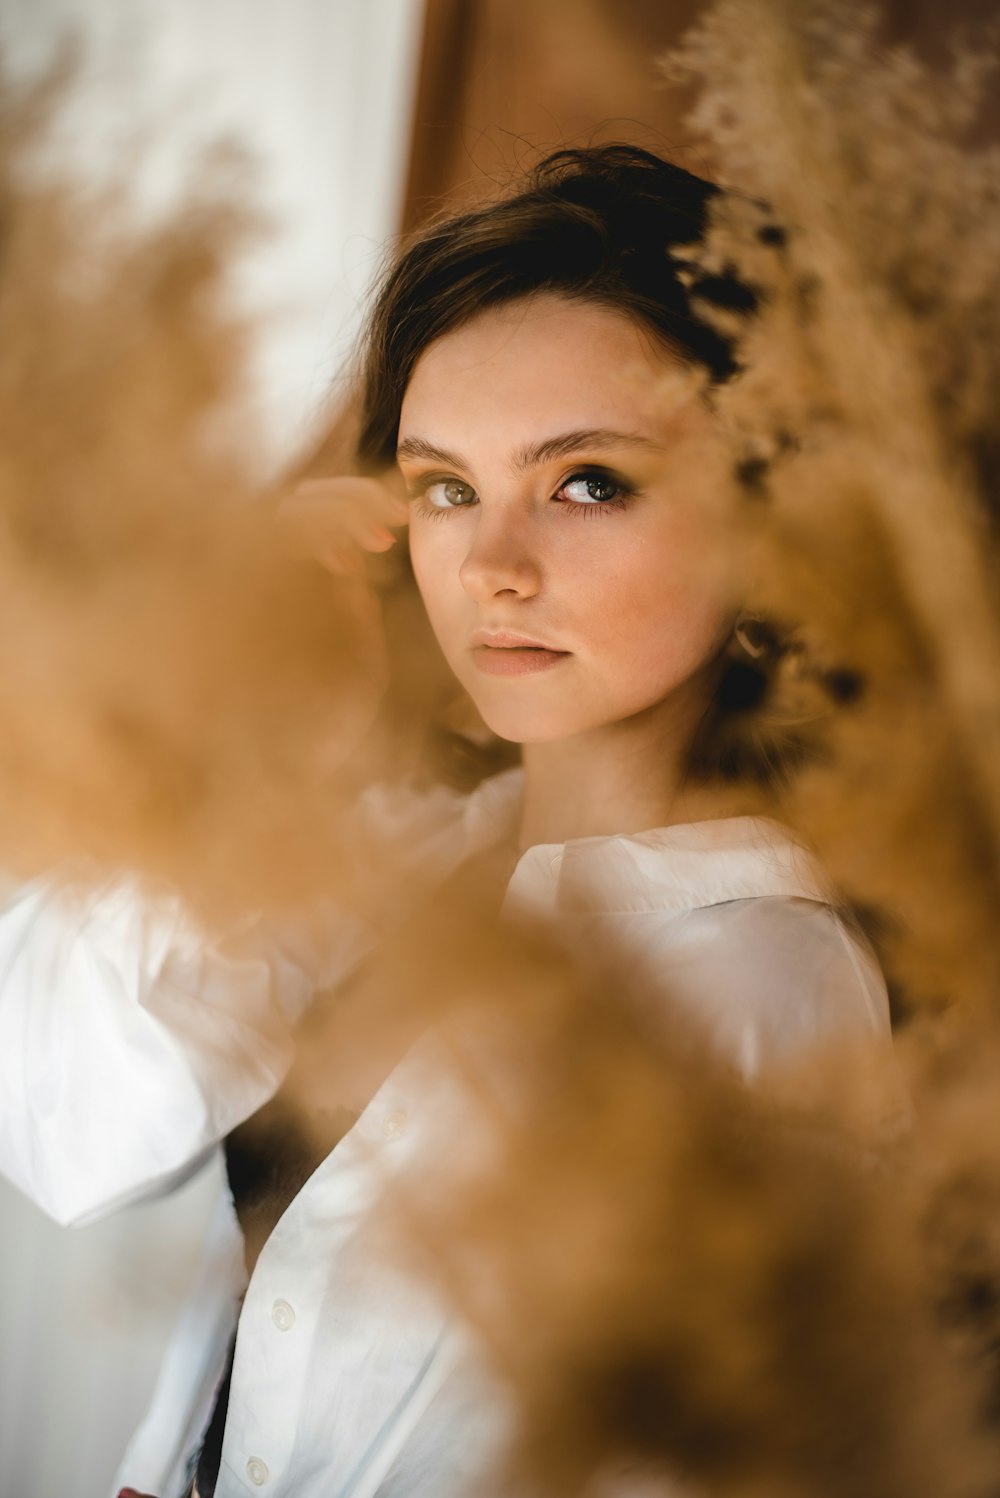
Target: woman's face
565, 480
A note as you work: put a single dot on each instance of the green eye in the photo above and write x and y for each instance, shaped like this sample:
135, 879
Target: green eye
449, 494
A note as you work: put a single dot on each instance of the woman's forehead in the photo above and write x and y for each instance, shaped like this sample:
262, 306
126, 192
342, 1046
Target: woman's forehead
544, 364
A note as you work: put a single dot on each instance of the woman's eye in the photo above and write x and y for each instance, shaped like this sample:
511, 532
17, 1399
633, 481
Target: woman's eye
448, 494
591, 489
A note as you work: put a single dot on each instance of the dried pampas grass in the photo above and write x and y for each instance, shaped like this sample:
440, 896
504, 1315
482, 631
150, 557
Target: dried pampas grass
864, 420
177, 687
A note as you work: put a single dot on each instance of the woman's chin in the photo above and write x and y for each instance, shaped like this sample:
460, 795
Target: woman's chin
537, 724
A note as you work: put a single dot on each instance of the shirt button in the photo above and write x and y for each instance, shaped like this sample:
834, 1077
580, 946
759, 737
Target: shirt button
393, 1124
257, 1471
282, 1315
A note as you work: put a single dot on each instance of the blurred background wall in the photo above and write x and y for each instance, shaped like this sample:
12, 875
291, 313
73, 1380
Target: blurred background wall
365, 116
319, 91
503, 80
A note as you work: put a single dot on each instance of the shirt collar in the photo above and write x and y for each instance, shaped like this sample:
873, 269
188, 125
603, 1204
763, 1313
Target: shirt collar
681, 867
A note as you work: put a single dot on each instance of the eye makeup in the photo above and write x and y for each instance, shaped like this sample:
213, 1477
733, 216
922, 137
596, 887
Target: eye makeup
587, 476
596, 477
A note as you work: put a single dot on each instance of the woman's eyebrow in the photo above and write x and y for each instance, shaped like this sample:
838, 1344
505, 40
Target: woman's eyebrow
569, 442
533, 454
419, 447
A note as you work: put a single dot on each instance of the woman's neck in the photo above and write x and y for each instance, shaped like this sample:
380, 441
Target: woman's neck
623, 778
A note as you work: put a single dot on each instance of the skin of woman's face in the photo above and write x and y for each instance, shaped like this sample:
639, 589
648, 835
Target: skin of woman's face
564, 479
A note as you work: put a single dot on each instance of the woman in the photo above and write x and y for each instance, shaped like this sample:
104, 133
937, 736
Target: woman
532, 367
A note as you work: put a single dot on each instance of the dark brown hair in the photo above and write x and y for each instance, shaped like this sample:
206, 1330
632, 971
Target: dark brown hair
607, 224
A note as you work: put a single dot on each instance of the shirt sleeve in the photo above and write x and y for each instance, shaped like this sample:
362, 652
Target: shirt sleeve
769, 978
130, 1042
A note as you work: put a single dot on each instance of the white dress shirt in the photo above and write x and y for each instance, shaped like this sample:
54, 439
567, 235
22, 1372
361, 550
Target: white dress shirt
130, 1046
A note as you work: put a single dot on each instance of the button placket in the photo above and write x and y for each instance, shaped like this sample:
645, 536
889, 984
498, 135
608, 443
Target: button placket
274, 1358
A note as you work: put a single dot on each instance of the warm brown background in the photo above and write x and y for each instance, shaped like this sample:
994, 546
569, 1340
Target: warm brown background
504, 80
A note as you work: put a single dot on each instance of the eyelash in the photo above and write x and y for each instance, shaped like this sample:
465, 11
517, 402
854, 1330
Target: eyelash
437, 512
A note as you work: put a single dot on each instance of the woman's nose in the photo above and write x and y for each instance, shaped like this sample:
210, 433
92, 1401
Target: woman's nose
502, 557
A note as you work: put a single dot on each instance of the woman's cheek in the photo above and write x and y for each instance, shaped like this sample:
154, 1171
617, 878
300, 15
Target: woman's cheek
436, 565
425, 559
665, 616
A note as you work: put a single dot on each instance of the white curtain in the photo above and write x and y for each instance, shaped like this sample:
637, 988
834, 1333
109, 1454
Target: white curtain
322, 91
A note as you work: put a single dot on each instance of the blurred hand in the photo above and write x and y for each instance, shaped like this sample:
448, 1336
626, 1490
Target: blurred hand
335, 520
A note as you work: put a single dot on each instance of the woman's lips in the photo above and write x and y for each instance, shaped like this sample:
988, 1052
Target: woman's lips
516, 660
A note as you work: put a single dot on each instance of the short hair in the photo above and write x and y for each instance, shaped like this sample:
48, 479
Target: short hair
607, 224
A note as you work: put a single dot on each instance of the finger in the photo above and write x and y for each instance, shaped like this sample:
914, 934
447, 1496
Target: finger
339, 486
341, 560
330, 511
382, 507
377, 538
348, 533
350, 494
397, 508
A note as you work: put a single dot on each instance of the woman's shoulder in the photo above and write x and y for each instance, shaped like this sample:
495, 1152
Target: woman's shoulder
735, 922
688, 865
772, 976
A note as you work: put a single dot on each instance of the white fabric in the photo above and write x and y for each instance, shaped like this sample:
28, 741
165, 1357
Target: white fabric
129, 1046
321, 92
